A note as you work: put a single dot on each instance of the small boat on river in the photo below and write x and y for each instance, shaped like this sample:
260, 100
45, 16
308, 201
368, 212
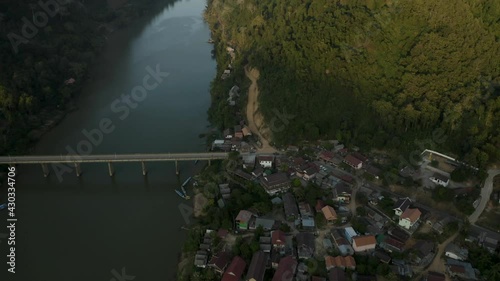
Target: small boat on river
182, 195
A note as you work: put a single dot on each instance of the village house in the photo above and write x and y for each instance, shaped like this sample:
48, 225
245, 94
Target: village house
265, 244
225, 74
382, 256
219, 262
341, 193
485, 238
201, 259
340, 262
399, 234
246, 131
434, 276
336, 274
326, 156
257, 267
243, 219
455, 252
238, 133
353, 162
275, 183
423, 252
266, 224
319, 205
286, 269
391, 244
248, 161
265, 161
308, 223
409, 218
341, 243
373, 171
401, 205
228, 134
290, 206
460, 269
350, 233
278, 240
310, 172
243, 175
257, 172
440, 179
364, 243
225, 191
305, 245
305, 210
329, 213
234, 270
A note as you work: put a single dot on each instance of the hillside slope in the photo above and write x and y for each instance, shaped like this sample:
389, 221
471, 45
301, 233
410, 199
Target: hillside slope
375, 73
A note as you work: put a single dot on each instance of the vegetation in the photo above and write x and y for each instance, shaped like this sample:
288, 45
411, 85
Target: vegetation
461, 174
486, 262
378, 73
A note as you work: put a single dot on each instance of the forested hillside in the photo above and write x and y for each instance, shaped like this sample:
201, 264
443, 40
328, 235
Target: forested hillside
378, 73
43, 66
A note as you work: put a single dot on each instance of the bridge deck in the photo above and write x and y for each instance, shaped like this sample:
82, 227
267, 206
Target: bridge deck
41, 159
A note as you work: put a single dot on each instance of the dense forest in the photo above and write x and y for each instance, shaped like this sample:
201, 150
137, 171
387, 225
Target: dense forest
376, 73
46, 51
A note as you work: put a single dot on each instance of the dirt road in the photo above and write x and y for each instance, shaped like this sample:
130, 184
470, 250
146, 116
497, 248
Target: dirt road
254, 117
438, 264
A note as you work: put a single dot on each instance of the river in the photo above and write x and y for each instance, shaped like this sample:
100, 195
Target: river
94, 226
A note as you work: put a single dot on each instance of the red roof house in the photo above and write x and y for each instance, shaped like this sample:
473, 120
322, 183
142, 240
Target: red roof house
234, 270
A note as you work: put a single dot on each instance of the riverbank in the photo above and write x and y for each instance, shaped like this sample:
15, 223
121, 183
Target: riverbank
39, 123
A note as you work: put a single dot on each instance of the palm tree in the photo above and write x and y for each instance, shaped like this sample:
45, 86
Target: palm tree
494, 272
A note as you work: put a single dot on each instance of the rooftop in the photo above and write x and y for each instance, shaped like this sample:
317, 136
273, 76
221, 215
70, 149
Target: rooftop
411, 214
353, 161
234, 270
364, 240
286, 269
440, 177
402, 204
257, 267
244, 216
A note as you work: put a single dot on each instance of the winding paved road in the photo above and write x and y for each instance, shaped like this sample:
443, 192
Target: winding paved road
485, 195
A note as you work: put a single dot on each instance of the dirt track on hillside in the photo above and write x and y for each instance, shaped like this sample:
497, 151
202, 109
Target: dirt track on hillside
254, 117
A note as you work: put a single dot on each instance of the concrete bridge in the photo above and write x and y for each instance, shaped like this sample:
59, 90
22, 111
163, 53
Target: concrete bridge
76, 160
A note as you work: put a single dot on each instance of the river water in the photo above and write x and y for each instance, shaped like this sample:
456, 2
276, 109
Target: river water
94, 226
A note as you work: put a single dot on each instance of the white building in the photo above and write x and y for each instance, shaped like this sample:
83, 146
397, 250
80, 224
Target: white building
266, 161
455, 252
440, 179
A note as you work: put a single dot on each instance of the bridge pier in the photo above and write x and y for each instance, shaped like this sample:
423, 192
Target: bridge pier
209, 162
110, 169
45, 170
176, 167
78, 169
144, 171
